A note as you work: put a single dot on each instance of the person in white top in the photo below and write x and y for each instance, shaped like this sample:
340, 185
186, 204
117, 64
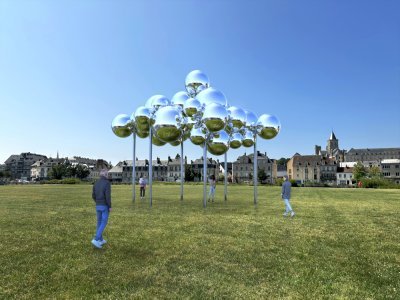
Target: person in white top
142, 184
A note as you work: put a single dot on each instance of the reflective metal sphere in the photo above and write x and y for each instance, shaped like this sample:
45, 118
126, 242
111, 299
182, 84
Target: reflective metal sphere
142, 134
142, 119
237, 116
176, 143
236, 140
167, 126
212, 95
179, 98
214, 117
197, 136
191, 106
120, 125
187, 128
157, 101
268, 126
251, 119
195, 82
248, 138
156, 141
218, 143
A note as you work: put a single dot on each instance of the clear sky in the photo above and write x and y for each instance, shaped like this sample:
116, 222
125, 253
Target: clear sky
67, 68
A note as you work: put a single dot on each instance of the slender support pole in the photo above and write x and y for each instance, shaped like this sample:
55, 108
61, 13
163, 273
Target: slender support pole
205, 175
134, 169
226, 177
255, 170
151, 168
182, 171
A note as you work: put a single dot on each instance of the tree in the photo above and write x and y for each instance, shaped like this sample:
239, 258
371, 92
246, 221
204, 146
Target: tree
282, 161
82, 171
261, 175
359, 171
374, 172
58, 171
189, 175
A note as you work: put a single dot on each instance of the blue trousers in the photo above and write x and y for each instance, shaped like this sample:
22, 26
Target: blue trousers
287, 205
102, 219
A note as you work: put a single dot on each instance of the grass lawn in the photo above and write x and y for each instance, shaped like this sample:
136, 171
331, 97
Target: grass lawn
342, 244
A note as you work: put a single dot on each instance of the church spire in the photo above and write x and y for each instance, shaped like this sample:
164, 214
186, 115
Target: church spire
332, 137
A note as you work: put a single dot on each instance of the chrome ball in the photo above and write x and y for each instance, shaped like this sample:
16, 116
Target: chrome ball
195, 82
268, 126
191, 107
121, 126
214, 117
197, 136
142, 134
248, 138
236, 140
179, 98
156, 141
142, 119
218, 143
212, 95
237, 116
174, 144
167, 126
187, 128
157, 101
251, 119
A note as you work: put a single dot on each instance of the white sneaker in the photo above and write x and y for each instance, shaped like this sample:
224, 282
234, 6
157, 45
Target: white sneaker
97, 244
292, 214
102, 242
285, 214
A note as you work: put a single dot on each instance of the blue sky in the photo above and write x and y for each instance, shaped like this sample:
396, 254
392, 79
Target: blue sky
67, 68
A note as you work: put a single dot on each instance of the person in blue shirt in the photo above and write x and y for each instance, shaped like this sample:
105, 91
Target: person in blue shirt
286, 190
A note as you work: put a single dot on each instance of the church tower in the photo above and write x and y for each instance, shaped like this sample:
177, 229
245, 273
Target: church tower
332, 144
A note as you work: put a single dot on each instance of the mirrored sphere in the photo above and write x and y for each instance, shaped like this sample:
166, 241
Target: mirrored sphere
248, 138
157, 101
187, 128
156, 141
176, 143
120, 125
191, 106
212, 95
195, 82
142, 119
214, 117
167, 126
251, 119
236, 140
268, 126
218, 143
142, 134
179, 98
237, 116
197, 136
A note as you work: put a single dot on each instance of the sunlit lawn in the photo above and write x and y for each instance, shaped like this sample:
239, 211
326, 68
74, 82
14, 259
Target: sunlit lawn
343, 243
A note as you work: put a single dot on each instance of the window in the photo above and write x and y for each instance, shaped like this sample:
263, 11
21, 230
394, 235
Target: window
397, 173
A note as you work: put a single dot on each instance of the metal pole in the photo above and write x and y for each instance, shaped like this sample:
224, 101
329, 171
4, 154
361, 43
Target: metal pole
226, 176
151, 168
255, 170
134, 169
182, 173
205, 175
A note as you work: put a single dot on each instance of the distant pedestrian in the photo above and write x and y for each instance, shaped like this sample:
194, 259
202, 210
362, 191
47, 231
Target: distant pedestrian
286, 190
211, 194
101, 195
142, 184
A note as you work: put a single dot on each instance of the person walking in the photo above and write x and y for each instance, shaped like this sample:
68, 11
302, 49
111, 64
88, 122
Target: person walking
286, 190
142, 184
101, 195
213, 184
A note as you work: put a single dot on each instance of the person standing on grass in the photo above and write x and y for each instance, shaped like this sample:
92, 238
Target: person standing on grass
101, 195
286, 190
211, 194
142, 184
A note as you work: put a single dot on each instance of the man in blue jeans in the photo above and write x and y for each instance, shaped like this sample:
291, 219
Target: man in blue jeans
101, 195
286, 190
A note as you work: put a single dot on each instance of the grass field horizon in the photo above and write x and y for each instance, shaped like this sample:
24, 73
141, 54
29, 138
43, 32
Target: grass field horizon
343, 243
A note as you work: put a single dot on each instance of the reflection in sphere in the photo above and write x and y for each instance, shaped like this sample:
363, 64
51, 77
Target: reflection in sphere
251, 119
195, 82
214, 117
142, 134
187, 128
218, 143
121, 126
156, 141
212, 95
248, 138
237, 116
167, 126
191, 107
197, 136
157, 101
142, 119
179, 98
268, 126
176, 143
236, 140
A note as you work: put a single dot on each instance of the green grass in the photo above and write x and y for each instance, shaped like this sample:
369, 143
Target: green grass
343, 244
